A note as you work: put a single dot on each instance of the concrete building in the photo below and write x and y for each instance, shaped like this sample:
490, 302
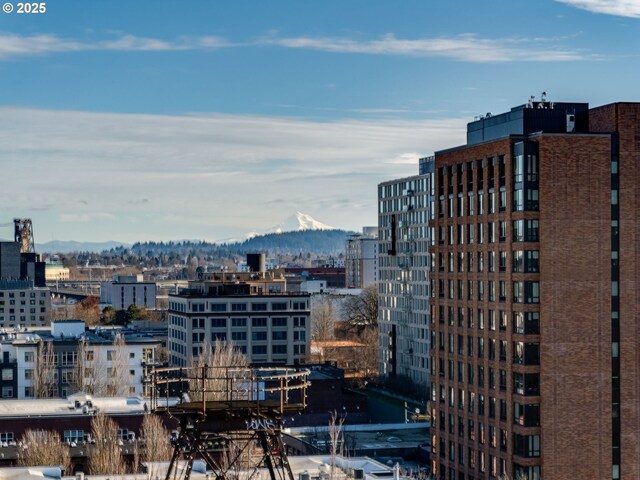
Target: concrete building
405, 207
361, 258
126, 290
535, 326
23, 305
254, 310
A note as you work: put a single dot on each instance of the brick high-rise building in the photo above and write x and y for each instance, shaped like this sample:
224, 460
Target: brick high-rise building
535, 325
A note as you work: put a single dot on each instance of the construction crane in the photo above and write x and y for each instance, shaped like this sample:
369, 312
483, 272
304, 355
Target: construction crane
23, 234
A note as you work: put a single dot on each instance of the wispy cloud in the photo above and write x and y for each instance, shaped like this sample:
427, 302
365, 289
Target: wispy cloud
19, 45
467, 48
86, 217
215, 176
622, 8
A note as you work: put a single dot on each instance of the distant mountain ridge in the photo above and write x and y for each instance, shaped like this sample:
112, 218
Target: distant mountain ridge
61, 246
297, 233
319, 242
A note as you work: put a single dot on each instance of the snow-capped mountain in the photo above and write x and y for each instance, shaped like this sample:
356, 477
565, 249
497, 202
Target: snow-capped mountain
295, 223
299, 221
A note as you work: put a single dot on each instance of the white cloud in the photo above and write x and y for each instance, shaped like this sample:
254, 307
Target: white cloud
202, 176
19, 45
623, 8
86, 217
406, 159
468, 48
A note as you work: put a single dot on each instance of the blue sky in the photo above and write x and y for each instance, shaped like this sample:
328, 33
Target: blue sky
158, 120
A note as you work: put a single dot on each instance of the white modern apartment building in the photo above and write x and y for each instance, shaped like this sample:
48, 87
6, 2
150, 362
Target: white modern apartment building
361, 258
107, 367
126, 290
23, 305
253, 310
405, 207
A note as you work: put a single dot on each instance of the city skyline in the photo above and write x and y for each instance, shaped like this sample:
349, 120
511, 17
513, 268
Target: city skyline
160, 121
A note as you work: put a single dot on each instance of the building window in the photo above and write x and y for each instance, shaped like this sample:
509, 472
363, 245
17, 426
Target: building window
526, 353
218, 336
279, 349
197, 323
238, 322
28, 357
279, 335
526, 445
279, 322
259, 322
218, 323
258, 336
239, 336
259, 350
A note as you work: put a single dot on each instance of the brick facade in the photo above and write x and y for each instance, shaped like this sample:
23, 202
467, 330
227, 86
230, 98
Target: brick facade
527, 349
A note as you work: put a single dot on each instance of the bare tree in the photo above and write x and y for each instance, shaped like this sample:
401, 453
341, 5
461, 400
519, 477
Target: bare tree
223, 361
336, 439
156, 440
366, 360
361, 311
44, 382
105, 456
161, 354
79, 381
95, 375
91, 371
322, 320
43, 447
119, 378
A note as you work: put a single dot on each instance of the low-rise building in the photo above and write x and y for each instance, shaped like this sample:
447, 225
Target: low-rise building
127, 290
68, 359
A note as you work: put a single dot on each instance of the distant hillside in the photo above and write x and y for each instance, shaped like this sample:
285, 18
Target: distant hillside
60, 246
319, 242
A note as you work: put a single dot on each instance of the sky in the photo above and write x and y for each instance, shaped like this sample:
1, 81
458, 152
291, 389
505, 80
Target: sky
209, 119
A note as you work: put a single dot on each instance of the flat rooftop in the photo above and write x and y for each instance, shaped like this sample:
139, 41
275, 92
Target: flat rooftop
66, 407
372, 437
